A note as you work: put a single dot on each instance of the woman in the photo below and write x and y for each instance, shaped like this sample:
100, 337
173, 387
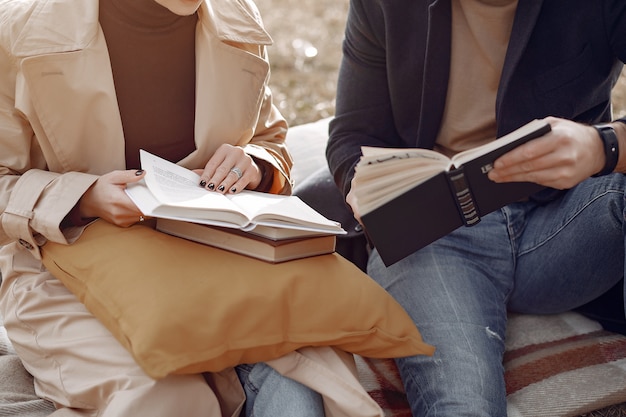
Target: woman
83, 86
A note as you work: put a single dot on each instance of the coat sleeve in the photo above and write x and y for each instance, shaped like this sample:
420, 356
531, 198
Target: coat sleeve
363, 115
33, 200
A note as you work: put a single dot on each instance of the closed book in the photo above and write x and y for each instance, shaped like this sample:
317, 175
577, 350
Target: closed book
279, 233
250, 244
408, 198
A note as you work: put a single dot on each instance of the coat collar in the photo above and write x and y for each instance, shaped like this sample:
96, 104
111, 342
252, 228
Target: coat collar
54, 26
235, 20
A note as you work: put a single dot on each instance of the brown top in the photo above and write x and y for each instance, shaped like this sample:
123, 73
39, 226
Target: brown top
152, 53
480, 36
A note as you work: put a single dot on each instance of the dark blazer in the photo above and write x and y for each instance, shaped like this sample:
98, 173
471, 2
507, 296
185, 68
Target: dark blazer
563, 59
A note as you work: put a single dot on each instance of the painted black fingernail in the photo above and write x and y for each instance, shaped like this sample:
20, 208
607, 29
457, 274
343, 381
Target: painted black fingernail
233, 190
220, 188
202, 183
139, 172
211, 186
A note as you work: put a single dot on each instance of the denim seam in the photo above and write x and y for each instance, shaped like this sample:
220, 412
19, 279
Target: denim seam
569, 220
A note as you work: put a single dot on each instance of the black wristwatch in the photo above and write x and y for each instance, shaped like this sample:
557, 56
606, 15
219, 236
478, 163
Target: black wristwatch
611, 148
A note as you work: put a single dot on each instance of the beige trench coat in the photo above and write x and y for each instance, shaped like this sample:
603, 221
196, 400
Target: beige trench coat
60, 128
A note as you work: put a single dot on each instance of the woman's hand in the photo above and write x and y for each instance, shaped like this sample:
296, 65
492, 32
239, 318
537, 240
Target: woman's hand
107, 199
230, 170
569, 154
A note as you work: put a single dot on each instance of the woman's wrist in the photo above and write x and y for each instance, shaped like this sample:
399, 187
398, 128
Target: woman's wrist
267, 175
73, 218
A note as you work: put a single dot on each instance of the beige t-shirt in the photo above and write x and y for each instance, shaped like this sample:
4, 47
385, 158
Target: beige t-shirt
480, 35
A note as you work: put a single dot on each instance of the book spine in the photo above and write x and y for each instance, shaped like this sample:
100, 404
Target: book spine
463, 196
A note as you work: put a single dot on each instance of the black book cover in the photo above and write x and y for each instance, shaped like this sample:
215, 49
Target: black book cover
443, 203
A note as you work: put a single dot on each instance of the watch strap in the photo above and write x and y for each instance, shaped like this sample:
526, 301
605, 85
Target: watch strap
611, 148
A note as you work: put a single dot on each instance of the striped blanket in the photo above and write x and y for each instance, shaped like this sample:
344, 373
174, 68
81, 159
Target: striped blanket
555, 366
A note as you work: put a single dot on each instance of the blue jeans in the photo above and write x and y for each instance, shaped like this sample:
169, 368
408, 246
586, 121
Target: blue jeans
528, 258
270, 394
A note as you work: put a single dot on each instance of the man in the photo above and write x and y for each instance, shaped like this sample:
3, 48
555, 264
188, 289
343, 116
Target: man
452, 75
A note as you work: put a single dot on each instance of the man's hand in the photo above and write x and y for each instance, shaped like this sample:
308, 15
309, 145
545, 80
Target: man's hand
569, 154
353, 202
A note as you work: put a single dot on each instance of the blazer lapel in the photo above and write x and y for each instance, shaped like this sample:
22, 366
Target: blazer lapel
523, 25
436, 72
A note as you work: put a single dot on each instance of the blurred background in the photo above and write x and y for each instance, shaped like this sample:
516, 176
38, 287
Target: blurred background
306, 54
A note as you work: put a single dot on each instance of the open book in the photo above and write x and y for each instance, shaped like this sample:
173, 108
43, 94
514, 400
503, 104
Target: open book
410, 197
171, 191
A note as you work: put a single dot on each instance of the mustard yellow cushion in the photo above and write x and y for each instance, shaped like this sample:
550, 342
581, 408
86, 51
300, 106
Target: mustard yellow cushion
184, 307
